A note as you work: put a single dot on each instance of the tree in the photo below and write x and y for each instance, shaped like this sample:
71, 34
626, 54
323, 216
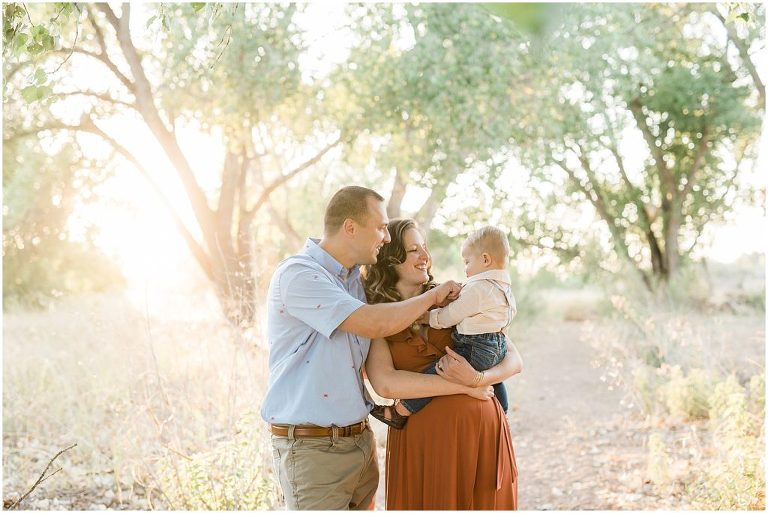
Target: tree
641, 115
235, 73
433, 85
40, 189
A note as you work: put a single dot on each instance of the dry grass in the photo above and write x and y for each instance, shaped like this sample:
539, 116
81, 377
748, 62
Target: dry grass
162, 396
140, 393
698, 378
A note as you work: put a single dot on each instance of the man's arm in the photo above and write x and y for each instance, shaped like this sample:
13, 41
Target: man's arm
385, 319
391, 383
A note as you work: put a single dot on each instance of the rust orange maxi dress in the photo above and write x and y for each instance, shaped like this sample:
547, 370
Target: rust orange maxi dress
456, 453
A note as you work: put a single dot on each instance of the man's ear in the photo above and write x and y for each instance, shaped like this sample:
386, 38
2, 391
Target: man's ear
349, 226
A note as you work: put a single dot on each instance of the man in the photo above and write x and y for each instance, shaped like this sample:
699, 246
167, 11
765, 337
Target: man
319, 330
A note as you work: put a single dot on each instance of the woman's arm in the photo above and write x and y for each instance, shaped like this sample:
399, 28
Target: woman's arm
391, 383
456, 369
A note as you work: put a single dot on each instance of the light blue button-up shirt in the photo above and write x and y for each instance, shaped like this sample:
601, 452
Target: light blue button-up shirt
315, 369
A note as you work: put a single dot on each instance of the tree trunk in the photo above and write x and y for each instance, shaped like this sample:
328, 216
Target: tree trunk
426, 213
396, 196
671, 248
293, 239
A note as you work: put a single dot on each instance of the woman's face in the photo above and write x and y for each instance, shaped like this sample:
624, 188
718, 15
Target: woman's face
414, 270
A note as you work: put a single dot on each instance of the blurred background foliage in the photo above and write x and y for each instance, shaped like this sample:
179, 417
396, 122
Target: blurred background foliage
606, 139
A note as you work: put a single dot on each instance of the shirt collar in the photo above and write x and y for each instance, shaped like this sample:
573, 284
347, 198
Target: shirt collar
330, 264
499, 275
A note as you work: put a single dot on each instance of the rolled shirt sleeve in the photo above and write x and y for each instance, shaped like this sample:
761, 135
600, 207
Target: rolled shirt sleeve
311, 296
468, 304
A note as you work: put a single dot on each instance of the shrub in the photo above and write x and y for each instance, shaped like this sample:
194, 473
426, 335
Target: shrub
234, 475
658, 460
676, 361
687, 396
736, 477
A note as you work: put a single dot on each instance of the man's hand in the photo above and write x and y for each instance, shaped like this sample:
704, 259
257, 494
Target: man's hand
456, 368
482, 393
446, 292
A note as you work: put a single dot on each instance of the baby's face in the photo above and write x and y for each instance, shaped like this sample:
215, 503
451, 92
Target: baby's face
473, 261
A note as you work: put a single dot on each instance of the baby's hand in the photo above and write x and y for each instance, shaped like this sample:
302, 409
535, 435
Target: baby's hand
424, 319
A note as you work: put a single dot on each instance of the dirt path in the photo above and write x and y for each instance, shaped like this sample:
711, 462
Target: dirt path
576, 446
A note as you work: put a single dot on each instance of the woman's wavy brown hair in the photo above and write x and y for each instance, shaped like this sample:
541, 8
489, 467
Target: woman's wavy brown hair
380, 278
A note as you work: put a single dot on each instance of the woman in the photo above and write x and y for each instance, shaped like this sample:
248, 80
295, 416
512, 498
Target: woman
457, 452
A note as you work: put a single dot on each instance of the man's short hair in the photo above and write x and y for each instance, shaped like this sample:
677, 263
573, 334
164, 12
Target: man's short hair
350, 202
491, 240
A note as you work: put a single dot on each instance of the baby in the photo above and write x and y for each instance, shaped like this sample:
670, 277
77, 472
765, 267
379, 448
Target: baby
480, 315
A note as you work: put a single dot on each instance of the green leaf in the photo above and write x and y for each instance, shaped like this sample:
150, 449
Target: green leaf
38, 32
44, 92
48, 42
197, 6
40, 76
21, 40
151, 20
29, 94
732, 15
35, 49
744, 16
529, 17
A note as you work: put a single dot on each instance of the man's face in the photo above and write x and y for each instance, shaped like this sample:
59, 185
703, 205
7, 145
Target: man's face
371, 235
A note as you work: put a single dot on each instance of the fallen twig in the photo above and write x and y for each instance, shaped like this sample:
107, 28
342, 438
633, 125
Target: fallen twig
42, 477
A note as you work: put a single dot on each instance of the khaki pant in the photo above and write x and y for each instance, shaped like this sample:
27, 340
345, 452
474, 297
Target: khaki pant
324, 474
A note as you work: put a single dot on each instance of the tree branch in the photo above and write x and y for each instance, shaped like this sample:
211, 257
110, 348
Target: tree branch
101, 58
294, 239
693, 173
101, 96
616, 232
42, 476
743, 49
104, 55
284, 178
569, 252
667, 181
195, 248
642, 211
229, 179
87, 125
110, 14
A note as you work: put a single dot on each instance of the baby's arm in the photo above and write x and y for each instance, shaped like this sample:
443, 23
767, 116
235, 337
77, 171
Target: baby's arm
466, 305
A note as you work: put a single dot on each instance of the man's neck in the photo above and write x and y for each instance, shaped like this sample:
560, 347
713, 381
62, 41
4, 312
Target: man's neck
338, 250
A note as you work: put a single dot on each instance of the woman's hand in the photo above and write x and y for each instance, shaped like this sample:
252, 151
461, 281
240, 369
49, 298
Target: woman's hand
482, 393
456, 369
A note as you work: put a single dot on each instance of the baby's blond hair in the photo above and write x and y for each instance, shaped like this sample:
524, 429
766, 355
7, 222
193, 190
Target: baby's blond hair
491, 240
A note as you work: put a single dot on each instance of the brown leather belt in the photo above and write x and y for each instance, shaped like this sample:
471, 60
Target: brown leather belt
317, 431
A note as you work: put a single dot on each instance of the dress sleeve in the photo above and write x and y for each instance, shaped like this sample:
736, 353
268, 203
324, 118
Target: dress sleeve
312, 297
